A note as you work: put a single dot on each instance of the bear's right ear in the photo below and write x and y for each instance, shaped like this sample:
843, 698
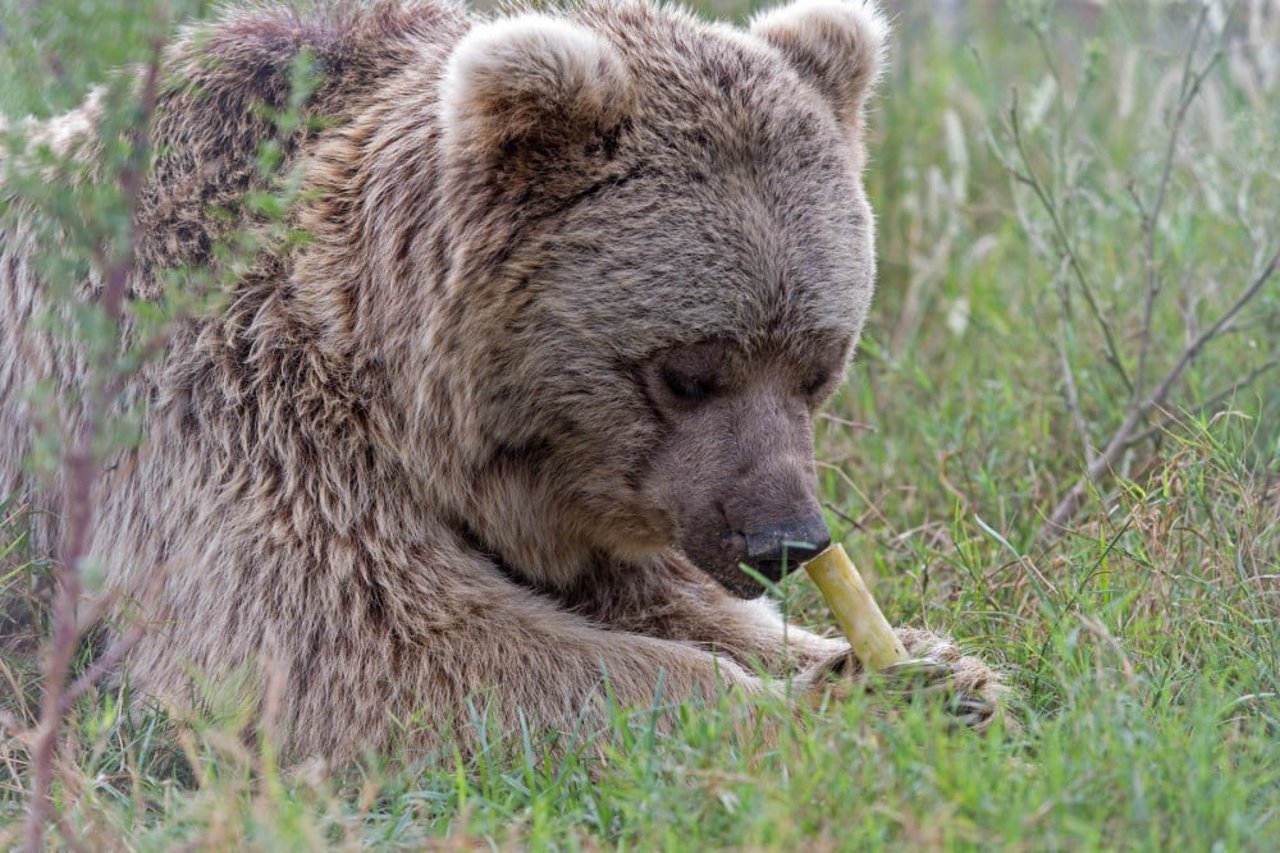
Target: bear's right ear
530, 83
836, 45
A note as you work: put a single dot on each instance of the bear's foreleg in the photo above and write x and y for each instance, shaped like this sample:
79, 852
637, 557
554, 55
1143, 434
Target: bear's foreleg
671, 599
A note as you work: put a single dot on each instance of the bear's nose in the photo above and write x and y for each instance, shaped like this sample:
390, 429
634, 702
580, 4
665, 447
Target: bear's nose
786, 546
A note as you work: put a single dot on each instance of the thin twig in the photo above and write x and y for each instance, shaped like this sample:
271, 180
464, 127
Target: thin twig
1189, 88
1213, 400
122, 645
1141, 401
848, 481
1056, 524
946, 483
102, 665
845, 422
1072, 396
80, 471
1050, 205
1190, 353
1043, 585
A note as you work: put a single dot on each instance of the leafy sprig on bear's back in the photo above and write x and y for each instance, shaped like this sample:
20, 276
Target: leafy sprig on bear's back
84, 186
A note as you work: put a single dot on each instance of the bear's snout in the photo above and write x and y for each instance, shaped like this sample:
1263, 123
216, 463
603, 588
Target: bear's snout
772, 550
784, 547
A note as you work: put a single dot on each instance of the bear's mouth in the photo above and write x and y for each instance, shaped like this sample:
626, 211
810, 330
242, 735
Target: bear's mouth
744, 584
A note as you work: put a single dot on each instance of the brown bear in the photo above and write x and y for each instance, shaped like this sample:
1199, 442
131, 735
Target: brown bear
541, 380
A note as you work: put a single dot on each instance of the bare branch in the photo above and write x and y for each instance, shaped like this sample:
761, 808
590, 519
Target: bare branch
1056, 524
1142, 400
1073, 400
1158, 396
1225, 394
80, 472
845, 422
116, 652
1029, 177
102, 666
1189, 88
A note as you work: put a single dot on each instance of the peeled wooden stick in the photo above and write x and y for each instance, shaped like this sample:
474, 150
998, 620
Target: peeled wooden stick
874, 643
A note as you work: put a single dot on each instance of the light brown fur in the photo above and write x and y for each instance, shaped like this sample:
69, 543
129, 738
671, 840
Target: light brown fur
442, 452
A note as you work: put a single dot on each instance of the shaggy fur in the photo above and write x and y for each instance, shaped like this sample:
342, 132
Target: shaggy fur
576, 283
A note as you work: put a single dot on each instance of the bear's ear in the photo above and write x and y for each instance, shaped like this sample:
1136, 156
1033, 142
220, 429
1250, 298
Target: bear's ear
837, 45
531, 81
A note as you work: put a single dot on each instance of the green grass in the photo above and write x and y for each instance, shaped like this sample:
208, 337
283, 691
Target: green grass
1143, 645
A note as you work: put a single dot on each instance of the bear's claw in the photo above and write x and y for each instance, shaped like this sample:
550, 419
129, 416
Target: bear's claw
968, 688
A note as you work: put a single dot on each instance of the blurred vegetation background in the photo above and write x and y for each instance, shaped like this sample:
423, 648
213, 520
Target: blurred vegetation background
1060, 187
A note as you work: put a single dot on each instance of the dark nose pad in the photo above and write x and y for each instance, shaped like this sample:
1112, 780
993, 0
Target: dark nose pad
788, 545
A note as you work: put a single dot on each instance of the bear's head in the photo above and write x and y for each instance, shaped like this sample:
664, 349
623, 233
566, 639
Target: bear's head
662, 260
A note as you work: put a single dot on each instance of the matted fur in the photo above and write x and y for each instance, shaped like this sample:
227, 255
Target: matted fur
413, 463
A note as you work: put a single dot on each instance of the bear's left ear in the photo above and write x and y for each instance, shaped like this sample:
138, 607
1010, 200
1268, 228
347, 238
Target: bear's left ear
836, 45
530, 83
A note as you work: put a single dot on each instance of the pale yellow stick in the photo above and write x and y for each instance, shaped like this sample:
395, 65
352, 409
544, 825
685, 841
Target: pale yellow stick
869, 633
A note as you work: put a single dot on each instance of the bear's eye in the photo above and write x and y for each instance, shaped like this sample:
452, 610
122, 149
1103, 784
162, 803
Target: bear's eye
687, 387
